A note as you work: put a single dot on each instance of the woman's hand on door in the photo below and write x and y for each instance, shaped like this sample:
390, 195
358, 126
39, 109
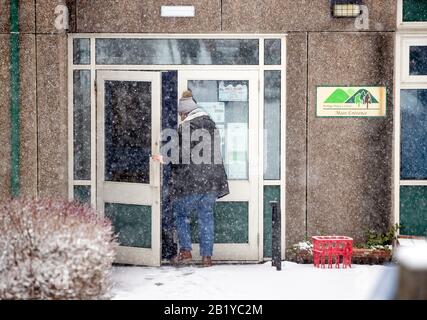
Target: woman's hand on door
158, 158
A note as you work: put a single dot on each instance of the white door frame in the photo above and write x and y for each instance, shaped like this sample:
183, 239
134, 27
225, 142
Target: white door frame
132, 193
240, 190
93, 67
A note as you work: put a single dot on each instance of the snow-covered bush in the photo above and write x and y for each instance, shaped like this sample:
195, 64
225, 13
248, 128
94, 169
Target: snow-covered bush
301, 252
54, 250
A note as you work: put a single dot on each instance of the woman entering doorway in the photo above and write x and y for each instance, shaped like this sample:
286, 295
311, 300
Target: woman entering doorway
195, 185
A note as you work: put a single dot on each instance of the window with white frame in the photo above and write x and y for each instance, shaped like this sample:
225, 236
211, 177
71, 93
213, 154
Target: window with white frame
411, 118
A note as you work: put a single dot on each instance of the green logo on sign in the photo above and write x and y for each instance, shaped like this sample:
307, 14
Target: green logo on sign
360, 97
354, 101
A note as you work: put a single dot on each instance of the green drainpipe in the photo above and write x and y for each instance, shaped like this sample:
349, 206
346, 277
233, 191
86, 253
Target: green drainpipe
15, 96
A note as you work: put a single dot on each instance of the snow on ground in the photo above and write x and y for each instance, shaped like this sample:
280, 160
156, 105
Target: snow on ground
255, 281
413, 254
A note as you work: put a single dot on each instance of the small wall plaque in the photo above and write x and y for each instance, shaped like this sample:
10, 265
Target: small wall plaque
351, 102
177, 11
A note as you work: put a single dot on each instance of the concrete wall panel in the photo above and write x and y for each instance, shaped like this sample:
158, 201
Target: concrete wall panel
28, 158
296, 138
52, 115
290, 15
144, 16
26, 16
349, 159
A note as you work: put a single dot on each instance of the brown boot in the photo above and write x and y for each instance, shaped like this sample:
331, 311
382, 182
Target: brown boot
206, 261
184, 256
174, 261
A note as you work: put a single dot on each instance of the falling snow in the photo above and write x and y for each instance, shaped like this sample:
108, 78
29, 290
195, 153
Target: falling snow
336, 174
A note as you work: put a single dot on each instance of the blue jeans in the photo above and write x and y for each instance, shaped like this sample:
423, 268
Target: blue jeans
204, 205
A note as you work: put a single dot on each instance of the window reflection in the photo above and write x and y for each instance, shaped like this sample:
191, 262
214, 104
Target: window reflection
413, 134
82, 127
272, 51
127, 131
272, 110
418, 60
414, 10
81, 51
177, 51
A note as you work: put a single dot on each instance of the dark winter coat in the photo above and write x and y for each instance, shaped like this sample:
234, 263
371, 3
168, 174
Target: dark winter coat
194, 178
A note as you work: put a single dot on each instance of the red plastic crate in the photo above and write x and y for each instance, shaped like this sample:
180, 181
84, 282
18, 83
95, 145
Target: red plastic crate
332, 248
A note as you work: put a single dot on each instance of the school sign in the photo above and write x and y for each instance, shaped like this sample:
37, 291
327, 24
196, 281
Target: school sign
351, 101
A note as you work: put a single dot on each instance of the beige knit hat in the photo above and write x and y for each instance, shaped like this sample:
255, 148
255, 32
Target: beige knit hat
186, 103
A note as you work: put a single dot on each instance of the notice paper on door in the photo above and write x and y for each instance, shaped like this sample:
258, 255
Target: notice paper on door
237, 137
237, 150
230, 92
215, 110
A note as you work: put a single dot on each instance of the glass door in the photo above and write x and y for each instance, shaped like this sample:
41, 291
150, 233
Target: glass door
128, 181
231, 99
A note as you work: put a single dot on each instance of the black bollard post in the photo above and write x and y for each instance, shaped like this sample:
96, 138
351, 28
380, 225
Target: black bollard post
276, 239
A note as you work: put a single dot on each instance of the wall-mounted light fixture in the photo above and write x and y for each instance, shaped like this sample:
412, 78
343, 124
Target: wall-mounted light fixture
177, 11
346, 8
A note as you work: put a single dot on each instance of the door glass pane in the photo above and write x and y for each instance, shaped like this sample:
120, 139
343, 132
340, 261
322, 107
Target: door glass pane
81, 124
272, 106
132, 224
177, 51
418, 60
272, 51
226, 232
127, 131
414, 10
413, 134
228, 104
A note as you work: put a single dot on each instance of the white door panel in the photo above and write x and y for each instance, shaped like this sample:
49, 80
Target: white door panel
128, 181
235, 93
